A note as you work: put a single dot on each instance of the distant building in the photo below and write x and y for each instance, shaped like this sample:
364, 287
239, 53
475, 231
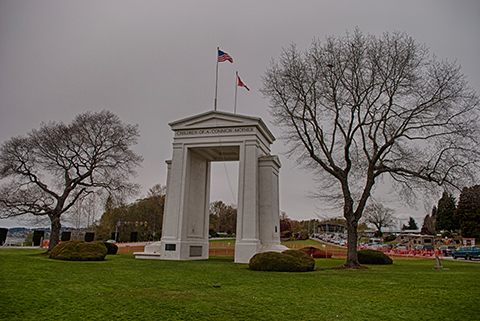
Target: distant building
331, 228
412, 240
398, 232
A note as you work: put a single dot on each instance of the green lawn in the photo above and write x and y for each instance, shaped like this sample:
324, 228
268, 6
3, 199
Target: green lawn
34, 287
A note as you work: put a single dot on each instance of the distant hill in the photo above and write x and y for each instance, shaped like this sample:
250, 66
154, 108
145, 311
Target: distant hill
24, 231
19, 231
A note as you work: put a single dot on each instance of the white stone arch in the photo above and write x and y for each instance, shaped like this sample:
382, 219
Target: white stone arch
198, 141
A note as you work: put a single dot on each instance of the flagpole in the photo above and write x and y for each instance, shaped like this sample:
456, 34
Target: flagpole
236, 87
216, 83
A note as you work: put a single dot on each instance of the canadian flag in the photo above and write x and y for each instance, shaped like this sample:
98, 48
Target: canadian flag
241, 84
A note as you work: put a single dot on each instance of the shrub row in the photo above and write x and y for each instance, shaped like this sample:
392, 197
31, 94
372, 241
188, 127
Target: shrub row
373, 257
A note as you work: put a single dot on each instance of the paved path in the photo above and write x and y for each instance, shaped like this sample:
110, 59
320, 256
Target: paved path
20, 247
449, 258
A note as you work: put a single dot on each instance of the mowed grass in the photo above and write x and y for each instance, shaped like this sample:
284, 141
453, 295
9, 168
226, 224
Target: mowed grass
33, 287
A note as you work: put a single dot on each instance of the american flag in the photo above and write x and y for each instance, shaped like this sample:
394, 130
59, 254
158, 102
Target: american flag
223, 56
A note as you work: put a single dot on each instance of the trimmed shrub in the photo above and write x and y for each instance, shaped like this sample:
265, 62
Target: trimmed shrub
112, 248
287, 261
373, 257
304, 261
79, 251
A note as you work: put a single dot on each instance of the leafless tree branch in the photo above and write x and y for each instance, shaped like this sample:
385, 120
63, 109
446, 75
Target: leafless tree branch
357, 108
55, 166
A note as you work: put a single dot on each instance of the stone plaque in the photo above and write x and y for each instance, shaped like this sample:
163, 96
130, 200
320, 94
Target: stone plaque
195, 251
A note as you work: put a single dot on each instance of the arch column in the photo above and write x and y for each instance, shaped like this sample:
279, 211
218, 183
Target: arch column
186, 217
269, 205
248, 233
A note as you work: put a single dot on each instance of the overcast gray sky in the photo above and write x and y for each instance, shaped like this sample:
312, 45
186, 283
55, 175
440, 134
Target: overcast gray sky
153, 62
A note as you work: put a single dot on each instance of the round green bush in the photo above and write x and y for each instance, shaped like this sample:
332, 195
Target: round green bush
79, 251
373, 257
112, 248
306, 262
287, 261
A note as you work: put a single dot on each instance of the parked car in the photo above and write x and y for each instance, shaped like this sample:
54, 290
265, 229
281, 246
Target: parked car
423, 250
424, 247
447, 250
374, 246
467, 252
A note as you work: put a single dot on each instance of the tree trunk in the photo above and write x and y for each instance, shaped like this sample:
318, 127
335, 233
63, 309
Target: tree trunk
352, 223
55, 231
352, 258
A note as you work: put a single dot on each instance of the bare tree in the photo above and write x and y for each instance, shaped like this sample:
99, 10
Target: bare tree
360, 107
83, 213
57, 165
283, 215
379, 215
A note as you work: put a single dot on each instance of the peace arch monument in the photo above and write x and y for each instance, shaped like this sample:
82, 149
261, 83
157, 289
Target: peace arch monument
217, 137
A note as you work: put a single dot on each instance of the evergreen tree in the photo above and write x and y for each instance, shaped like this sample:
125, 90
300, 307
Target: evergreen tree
445, 210
468, 212
412, 225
